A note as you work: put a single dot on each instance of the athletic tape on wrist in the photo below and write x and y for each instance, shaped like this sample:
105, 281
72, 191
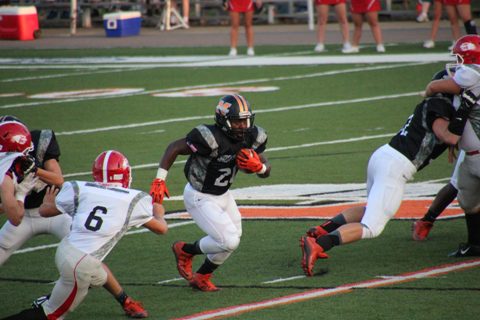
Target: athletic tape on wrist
162, 173
264, 169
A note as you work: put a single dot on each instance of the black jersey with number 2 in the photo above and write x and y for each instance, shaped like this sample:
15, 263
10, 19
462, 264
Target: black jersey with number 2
416, 139
211, 167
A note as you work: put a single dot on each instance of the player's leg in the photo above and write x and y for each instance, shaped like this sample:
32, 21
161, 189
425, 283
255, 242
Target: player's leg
437, 16
372, 19
387, 174
341, 12
453, 18
248, 17
78, 272
234, 27
357, 19
13, 237
465, 12
422, 227
468, 190
322, 17
132, 308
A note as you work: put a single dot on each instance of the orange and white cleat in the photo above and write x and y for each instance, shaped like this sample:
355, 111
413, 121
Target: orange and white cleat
134, 309
421, 229
184, 260
202, 282
311, 251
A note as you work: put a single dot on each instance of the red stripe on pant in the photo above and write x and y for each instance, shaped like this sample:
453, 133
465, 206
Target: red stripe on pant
68, 302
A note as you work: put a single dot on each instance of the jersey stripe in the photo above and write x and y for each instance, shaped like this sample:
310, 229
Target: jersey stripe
101, 252
43, 143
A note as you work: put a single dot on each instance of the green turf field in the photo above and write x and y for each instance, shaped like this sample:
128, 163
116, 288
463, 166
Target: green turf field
323, 122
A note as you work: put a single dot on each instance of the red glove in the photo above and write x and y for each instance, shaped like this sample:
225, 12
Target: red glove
158, 190
248, 159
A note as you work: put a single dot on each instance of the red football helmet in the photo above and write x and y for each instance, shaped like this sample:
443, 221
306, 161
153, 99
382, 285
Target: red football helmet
15, 137
112, 167
467, 49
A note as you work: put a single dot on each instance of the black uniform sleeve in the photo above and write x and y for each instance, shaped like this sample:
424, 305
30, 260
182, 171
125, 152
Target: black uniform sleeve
197, 140
53, 150
438, 107
45, 145
260, 138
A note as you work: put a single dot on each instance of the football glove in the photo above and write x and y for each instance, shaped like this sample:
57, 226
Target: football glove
158, 190
249, 160
25, 187
24, 165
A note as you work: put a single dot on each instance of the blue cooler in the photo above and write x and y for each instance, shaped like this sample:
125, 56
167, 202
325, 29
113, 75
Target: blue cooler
122, 24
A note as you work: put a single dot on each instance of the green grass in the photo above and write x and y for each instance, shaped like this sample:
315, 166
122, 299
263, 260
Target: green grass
269, 249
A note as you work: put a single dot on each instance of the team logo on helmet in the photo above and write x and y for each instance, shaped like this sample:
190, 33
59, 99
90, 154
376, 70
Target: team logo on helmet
467, 46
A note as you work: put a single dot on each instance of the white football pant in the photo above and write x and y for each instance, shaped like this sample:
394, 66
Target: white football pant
219, 218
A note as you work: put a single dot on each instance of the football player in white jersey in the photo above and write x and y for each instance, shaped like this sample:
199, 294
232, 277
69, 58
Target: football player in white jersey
427, 133
43, 161
102, 212
17, 170
215, 152
467, 77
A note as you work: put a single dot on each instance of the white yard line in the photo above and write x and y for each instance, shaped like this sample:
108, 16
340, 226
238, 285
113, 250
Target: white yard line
320, 293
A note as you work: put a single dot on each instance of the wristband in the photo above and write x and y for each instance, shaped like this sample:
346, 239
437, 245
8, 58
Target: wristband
162, 173
264, 169
20, 196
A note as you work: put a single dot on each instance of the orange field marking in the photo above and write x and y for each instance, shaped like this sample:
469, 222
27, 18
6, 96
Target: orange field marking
410, 209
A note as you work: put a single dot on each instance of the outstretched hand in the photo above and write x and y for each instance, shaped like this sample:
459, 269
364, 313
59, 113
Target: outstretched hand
158, 191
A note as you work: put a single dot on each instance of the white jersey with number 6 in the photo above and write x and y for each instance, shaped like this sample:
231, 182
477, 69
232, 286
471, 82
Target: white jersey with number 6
101, 214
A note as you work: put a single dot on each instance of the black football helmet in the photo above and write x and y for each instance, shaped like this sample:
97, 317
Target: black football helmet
10, 118
234, 107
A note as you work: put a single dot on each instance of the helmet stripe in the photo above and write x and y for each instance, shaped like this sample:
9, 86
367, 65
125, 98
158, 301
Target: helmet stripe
105, 166
242, 106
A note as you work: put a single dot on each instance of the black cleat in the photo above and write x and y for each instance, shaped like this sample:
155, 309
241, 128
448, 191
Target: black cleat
37, 303
466, 250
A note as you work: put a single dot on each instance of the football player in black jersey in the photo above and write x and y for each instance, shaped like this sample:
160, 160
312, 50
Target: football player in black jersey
47, 171
433, 126
216, 152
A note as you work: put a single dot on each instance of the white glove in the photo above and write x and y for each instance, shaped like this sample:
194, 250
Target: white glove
24, 188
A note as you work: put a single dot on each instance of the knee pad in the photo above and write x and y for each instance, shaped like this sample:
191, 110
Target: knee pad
369, 232
231, 243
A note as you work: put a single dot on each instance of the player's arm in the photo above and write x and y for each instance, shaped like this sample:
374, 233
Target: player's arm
450, 130
52, 174
48, 208
440, 128
265, 162
178, 147
13, 209
157, 224
158, 189
442, 86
